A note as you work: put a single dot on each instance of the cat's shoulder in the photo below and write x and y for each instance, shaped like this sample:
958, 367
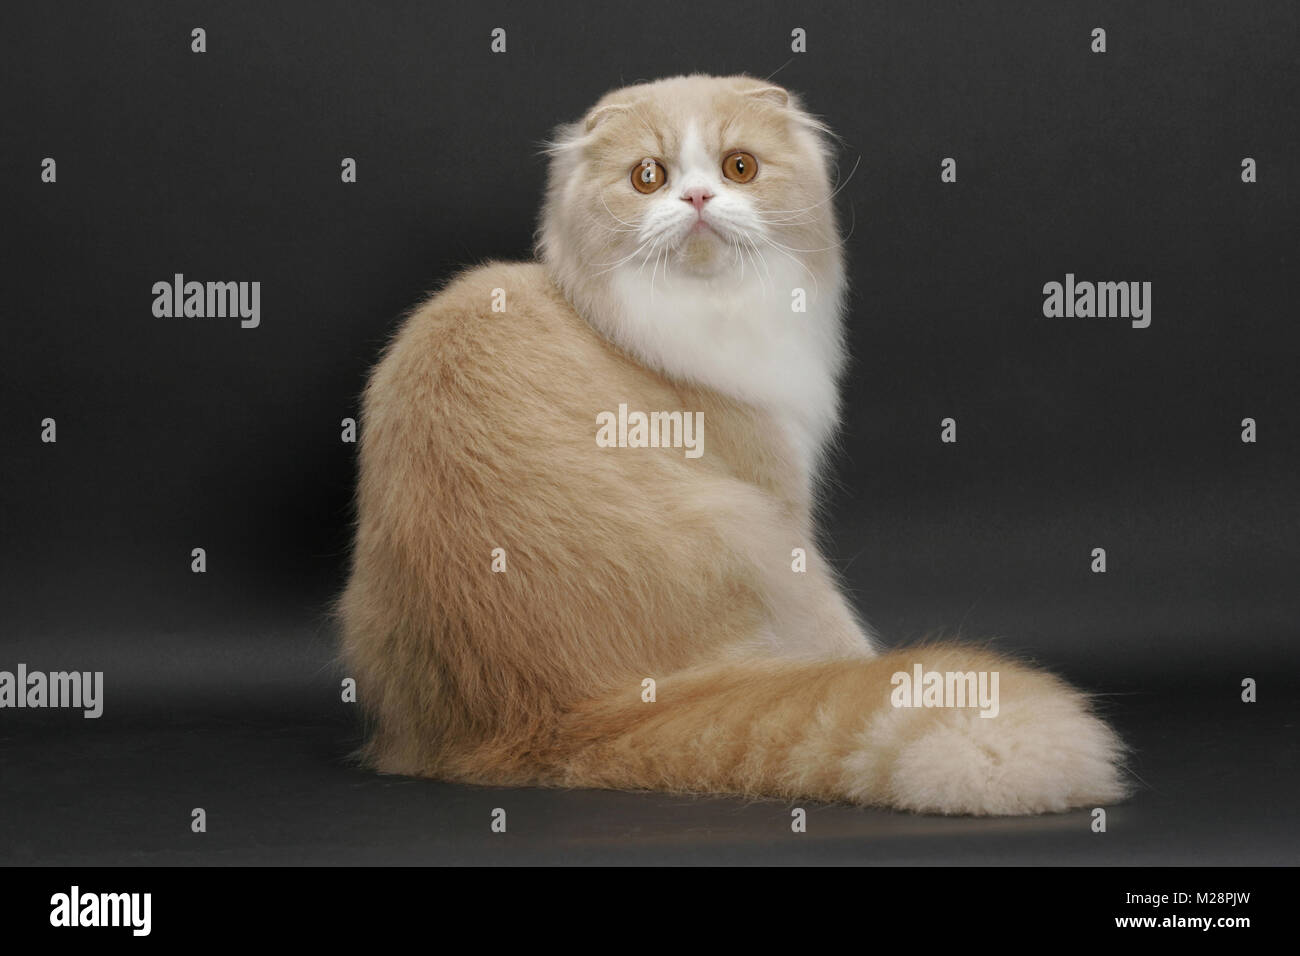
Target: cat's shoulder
491, 316
493, 292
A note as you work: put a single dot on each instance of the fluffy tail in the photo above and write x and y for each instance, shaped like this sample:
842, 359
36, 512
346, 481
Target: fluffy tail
850, 730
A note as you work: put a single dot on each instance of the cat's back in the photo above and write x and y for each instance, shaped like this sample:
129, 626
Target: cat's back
498, 332
498, 361
497, 380
491, 317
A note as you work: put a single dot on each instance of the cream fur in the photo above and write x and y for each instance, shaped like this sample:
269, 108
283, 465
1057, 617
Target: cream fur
627, 563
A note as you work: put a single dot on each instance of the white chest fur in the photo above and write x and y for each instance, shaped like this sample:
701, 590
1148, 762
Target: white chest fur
744, 338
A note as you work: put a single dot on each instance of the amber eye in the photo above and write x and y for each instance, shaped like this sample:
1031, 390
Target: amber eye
648, 175
740, 167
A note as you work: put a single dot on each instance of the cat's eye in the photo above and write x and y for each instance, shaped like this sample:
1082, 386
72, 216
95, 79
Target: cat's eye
648, 175
740, 167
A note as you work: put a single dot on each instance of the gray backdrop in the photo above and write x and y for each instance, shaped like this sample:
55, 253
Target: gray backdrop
1074, 433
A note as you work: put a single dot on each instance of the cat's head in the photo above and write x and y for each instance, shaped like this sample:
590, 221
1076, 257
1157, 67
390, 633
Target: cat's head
690, 179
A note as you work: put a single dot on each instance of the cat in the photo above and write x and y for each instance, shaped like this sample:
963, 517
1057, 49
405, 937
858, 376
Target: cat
530, 606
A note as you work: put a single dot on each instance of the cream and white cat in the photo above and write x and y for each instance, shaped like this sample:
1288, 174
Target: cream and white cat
529, 606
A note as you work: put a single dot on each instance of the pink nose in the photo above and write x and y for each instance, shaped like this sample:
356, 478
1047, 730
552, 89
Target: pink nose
698, 195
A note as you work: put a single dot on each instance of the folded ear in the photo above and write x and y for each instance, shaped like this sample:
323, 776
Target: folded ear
602, 113
773, 94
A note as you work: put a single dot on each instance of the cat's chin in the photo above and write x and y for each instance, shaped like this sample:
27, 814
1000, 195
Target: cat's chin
704, 254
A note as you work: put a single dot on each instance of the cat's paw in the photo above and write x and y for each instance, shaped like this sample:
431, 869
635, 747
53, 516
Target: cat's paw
1044, 752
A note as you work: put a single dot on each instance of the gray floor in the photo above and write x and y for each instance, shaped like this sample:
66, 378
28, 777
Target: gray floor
1218, 785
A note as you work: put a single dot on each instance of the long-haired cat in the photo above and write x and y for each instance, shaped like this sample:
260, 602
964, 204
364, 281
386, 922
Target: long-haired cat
546, 590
